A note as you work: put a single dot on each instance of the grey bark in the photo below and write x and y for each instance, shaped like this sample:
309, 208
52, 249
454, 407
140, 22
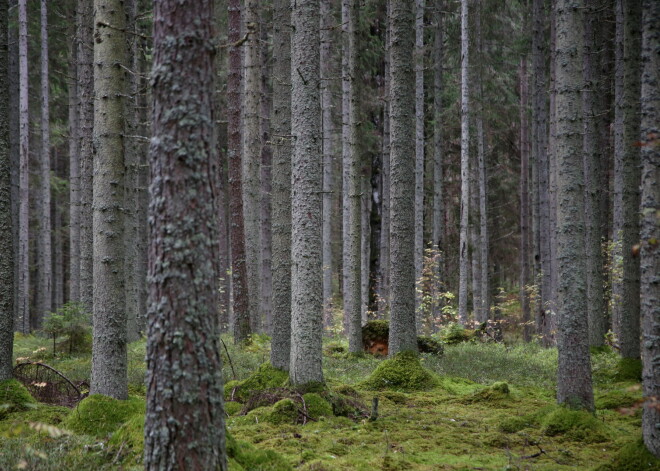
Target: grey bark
627, 174
240, 320
438, 144
419, 153
306, 180
353, 266
14, 154
384, 282
650, 229
74, 169
574, 370
402, 181
6, 219
24, 192
109, 360
365, 225
593, 167
252, 162
85, 23
473, 228
184, 426
328, 127
465, 168
524, 202
281, 199
45, 294
346, 265
58, 208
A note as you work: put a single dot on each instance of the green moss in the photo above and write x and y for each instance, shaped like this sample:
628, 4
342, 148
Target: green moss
456, 333
404, 372
578, 425
14, 397
317, 406
130, 437
335, 349
229, 389
266, 377
233, 407
283, 412
375, 331
634, 456
629, 369
618, 398
395, 397
498, 391
38, 413
244, 456
459, 386
99, 415
429, 345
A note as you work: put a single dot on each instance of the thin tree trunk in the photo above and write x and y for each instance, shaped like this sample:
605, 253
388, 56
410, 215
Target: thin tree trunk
45, 294
465, 168
74, 166
524, 202
306, 262
419, 154
6, 220
650, 230
365, 227
402, 190
345, 159
15, 154
109, 360
86, 131
574, 371
241, 314
24, 192
58, 235
185, 426
252, 162
475, 254
438, 231
281, 126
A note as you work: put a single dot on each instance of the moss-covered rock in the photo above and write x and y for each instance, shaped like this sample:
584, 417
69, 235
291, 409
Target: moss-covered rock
14, 397
283, 412
99, 415
404, 372
233, 407
266, 377
317, 406
633, 456
578, 425
629, 369
246, 457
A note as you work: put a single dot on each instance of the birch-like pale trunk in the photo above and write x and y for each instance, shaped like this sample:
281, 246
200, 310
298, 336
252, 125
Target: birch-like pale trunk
24, 175
574, 370
465, 168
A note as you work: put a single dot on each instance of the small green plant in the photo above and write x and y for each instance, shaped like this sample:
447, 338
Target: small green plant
435, 307
70, 321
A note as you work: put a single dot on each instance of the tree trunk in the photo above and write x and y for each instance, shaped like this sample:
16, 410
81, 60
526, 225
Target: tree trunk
184, 425
650, 230
592, 177
524, 202
252, 162
86, 131
6, 222
74, 167
465, 168
327, 23
419, 154
438, 150
281, 199
627, 175
241, 314
15, 155
473, 229
24, 191
574, 370
109, 360
45, 294
306, 178
402, 181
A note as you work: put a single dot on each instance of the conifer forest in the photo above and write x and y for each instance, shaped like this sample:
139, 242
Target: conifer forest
321, 235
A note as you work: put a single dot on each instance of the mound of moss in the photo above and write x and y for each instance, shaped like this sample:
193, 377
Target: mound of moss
403, 372
14, 397
456, 333
629, 369
18, 421
233, 407
429, 345
317, 406
245, 457
618, 398
632, 457
375, 331
130, 436
498, 391
335, 349
266, 377
577, 425
99, 415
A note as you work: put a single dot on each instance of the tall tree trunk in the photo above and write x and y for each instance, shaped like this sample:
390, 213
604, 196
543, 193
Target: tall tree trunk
402, 182
473, 229
6, 220
109, 360
627, 175
74, 166
438, 149
45, 294
15, 154
24, 191
328, 128
650, 229
184, 425
419, 153
346, 265
85, 133
306, 178
465, 168
365, 223
551, 319
58, 234
252, 162
524, 202
241, 314
592, 169
281, 199
574, 371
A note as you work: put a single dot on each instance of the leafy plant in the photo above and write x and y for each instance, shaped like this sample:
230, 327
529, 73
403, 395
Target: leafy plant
70, 321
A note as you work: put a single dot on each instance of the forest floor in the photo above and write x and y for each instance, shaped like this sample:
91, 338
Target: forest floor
489, 407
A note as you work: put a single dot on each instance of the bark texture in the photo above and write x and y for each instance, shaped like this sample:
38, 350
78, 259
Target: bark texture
650, 226
74, 170
402, 180
184, 426
574, 369
524, 202
24, 174
437, 236
384, 281
109, 361
419, 152
465, 168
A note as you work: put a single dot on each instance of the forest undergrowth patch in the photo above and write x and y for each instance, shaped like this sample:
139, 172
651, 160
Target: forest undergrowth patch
488, 407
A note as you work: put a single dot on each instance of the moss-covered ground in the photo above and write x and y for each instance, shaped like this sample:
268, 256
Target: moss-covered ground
478, 406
